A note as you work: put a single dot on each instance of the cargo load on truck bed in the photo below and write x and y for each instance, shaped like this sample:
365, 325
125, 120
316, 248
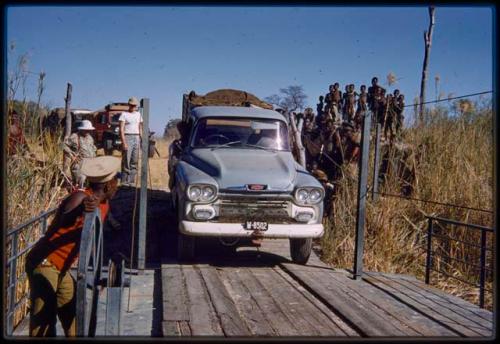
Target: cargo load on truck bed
223, 97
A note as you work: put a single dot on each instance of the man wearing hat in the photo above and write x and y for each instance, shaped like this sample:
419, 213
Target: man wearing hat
130, 133
52, 288
78, 146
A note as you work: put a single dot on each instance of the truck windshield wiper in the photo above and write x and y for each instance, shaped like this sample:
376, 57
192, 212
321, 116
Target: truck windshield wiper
229, 144
256, 146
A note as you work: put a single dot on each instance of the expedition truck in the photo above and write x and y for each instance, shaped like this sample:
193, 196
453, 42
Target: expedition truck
234, 176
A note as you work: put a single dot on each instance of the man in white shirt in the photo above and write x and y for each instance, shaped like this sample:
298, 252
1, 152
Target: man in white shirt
130, 133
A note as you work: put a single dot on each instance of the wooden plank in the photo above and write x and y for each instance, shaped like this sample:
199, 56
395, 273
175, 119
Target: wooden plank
322, 314
243, 298
231, 322
185, 328
411, 318
423, 306
290, 302
358, 294
202, 317
171, 329
277, 320
174, 294
361, 318
446, 306
471, 310
295, 306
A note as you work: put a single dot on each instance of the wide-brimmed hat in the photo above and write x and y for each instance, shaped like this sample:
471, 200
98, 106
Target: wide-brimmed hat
133, 101
100, 169
86, 125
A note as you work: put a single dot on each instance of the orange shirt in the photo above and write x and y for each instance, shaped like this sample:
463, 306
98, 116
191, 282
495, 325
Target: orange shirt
67, 239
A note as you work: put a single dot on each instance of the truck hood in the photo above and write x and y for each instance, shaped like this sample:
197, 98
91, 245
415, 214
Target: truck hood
234, 168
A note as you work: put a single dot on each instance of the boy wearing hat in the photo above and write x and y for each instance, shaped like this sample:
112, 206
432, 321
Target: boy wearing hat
130, 133
78, 146
52, 286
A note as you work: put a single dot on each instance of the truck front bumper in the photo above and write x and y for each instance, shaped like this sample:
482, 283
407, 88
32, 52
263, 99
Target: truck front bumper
314, 230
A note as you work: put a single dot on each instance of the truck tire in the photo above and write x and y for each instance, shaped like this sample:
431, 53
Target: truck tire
185, 243
300, 250
185, 247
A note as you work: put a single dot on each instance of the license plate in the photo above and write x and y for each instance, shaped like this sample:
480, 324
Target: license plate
118, 142
256, 225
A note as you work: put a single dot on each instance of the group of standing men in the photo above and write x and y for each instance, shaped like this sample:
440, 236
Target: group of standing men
350, 106
80, 145
95, 181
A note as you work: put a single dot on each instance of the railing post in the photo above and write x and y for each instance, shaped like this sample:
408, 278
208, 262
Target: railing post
482, 263
143, 206
429, 252
12, 286
376, 163
362, 190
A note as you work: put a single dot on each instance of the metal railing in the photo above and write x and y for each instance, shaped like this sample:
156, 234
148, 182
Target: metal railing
12, 238
482, 267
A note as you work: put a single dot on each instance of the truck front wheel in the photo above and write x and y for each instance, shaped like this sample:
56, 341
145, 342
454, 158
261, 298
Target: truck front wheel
185, 247
185, 243
300, 250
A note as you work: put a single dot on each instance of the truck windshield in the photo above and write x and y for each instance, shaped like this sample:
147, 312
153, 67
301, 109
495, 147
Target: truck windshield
241, 132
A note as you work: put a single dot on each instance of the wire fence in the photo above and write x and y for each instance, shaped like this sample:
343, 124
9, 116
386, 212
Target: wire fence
448, 99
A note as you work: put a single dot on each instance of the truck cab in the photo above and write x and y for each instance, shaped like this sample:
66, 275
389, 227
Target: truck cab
107, 126
235, 177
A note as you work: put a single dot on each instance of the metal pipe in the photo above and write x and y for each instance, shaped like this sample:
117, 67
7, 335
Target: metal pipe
428, 261
482, 262
30, 222
362, 191
458, 223
376, 163
144, 187
12, 281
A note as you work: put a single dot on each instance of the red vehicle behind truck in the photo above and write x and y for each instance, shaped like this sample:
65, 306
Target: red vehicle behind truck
107, 128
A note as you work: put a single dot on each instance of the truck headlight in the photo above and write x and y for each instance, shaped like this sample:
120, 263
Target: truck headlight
309, 195
201, 193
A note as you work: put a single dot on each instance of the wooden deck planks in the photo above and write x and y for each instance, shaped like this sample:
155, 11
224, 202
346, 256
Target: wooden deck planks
174, 294
284, 298
231, 322
370, 295
453, 322
202, 316
249, 309
444, 306
281, 325
333, 321
366, 320
481, 317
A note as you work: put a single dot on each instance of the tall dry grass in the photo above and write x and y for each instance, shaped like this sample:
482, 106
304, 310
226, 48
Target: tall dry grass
453, 165
34, 180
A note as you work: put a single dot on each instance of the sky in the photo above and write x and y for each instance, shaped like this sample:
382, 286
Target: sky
160, 52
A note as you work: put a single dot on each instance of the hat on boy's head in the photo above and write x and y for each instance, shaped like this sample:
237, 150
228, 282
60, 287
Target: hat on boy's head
100, 169
133, 101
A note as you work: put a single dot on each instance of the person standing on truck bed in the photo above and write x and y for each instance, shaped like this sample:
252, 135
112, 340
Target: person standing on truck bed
52, 288
130, 133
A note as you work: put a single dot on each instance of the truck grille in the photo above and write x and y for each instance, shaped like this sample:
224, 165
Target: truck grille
240, 210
